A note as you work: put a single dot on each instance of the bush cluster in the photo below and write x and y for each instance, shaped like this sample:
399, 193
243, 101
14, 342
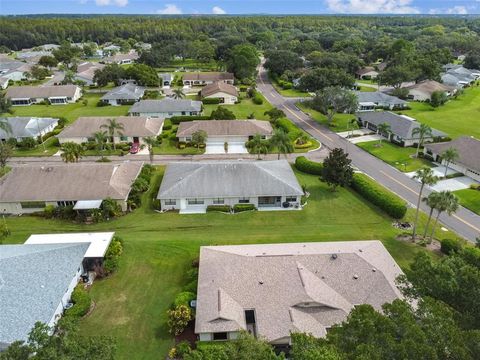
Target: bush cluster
379, 196
112, 256
243, 207
167, 124
221, 208
178, 119
141, 185
450, 246
81, 303
211, 101
290, 128
184, 298
307, 166
257, 99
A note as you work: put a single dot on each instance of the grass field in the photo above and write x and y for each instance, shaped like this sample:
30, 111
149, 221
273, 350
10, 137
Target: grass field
470, 199
244, 109
457, 117
397, 156
367, 89
340, 121
131, 304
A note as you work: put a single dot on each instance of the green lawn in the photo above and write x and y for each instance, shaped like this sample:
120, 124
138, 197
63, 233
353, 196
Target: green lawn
39, 150
340, 121
397, 156
470, 199
457, 117
367, 89
288, 92
159, 248
244, 109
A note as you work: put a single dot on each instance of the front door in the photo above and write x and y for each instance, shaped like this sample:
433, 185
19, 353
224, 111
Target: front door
135, 140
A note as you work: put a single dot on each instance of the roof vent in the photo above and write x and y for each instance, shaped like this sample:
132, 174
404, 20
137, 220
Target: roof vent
355, 276
360, 250
334, 256
260, 282
374, 270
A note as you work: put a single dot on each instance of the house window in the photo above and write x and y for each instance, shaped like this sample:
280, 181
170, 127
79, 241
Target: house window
218, 201
123, 138
184, 113
244, 200
33, 204
195, 201
170, 202
291, 199
189, 138
220, 336
65, 203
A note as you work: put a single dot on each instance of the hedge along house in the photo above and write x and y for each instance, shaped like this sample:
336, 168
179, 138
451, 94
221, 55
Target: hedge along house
166, 108
54, 95
235, 133
206, 78
192, 186
401, 127
30, 189
468, 149
225, 93
27, 127
135, 129
273, 290
123, 95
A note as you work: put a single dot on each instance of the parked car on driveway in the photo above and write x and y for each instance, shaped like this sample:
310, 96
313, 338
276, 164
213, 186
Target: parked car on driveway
134, 148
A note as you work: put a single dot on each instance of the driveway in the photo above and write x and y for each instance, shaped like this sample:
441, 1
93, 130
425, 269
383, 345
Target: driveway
458, 183
360, 132
365, 138
218, 148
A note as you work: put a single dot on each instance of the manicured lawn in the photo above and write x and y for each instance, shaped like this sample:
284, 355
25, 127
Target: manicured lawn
367, 89
340, 121
470, 199
50, 149
289, 92
244, 109
159, 248
394, 155
457, 117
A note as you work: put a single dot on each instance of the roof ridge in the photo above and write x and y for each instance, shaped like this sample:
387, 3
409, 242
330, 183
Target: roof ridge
273, 175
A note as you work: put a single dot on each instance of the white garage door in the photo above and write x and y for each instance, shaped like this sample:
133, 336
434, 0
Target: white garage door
217, 146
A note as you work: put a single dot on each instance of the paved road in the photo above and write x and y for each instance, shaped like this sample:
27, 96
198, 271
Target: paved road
464, 222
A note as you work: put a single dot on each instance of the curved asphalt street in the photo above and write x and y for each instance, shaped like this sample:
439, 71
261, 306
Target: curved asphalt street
463, 222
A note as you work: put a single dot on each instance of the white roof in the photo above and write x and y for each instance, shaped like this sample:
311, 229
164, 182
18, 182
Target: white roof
99, 242
87, 204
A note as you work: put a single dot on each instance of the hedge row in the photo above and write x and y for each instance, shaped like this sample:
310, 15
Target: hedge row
290, 128
211, 101
379, 196
81, 303
243, 207
221, 208
307, 166
178, 119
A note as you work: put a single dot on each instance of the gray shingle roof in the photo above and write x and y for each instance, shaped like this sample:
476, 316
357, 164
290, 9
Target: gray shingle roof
468, 150
165, 105
228, 179
208, 76
69, 182
34, 279
400, 125
225, 127
125, 92
217, 87
378, 97
429, 86
26, 126
279, 280
41, 91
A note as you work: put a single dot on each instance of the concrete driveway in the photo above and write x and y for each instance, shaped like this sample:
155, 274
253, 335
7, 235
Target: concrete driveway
218, 148
365, 138
458, 183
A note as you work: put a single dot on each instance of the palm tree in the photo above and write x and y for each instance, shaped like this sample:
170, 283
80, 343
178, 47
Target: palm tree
72, 152
353, 124
447, 202
426, 177
5, 126
113, 128
432, 200
151, 142
382, 129
258, 145
282, 142
449, 155
178, 93
100, 138
422, 131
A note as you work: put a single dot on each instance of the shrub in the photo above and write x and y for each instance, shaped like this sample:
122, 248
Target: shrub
243, 207
102, 104
471, 255
49, 211
290, 128
221, 208
475, 186
287, 85
12, 142
257, 99
307, 166
81, 303
303, 146
167, 124
243, 88
450, 246
211, 101
27, 143
112, 256
178, 119
178, 319
47, 136
379, 196
184, 298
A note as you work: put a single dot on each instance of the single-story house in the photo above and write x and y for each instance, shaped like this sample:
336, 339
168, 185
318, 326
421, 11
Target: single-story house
166, 108
29, 189
423, 90
123, 95
135, 129
458, 76
191, 186
30, 55
167, 79
122, 59
273, 290
205, 78
234, 132
4, 82
368, 101
367, 73
86, 72
27, 127
401, 126
38, 278
55, 95
227, 93
468, 149
13, 70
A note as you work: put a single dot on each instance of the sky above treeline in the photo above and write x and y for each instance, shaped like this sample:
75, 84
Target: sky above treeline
221, 7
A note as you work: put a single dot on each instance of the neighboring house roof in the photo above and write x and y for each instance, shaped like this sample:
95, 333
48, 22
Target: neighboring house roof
219, 87
165, 106
228, 179
296, 287
132, 126
378, 97
132, 55
468, 150
400, 125
208, 76
22, 127
366, 70
166, 77
34, 279
225, 127
87, 70
26, 54
382, 66
69, 182
27, 92
9, 65
429, 87
98, 242
125, 92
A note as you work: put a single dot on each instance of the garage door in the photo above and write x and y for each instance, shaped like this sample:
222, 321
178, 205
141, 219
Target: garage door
218, 147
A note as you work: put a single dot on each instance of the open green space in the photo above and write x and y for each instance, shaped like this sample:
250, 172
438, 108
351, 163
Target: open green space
399, 157
367, 89
288, 92
158, 249
470, 199
460, 116
244, 109
340, 121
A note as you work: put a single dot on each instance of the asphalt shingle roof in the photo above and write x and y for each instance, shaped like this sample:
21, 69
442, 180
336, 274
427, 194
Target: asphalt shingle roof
208, 76
217, 87
125, 92
378, 97
22, 92
225, 127
165, 105
468, 150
